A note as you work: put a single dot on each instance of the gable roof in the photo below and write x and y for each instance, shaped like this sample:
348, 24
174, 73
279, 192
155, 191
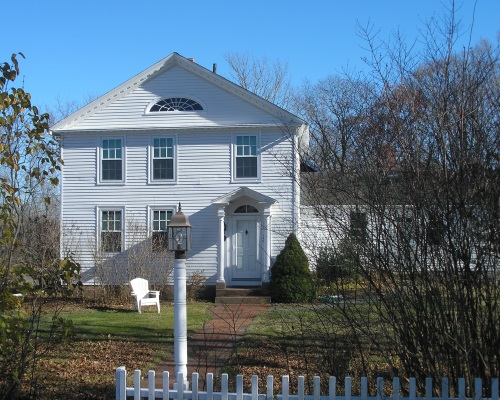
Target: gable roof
168, 62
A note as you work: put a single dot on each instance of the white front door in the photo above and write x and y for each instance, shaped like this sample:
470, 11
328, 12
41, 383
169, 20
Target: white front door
246, 268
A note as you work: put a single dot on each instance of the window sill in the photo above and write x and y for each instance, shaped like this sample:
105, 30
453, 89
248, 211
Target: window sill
165, 182
111, 183
246, 181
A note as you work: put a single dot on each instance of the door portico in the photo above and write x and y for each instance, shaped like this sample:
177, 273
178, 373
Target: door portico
244, 245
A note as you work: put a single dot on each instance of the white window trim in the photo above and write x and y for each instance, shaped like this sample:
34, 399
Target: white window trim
100, 181
99, 210
150, 161
256, 179
157, 208
151, 210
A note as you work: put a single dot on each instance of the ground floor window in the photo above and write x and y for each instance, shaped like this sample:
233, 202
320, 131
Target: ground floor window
111, 231
358, 226
160, 220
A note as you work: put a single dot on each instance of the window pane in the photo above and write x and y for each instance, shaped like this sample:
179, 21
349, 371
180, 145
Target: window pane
246, 167
111, 242
163, 169
111, 170
159, 241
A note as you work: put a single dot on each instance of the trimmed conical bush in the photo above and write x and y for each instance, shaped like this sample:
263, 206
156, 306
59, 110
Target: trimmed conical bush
291, 280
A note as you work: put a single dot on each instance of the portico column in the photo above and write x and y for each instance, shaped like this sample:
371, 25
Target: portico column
221, 282
267, 238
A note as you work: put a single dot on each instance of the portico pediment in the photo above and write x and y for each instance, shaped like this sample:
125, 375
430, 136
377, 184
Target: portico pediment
244, 192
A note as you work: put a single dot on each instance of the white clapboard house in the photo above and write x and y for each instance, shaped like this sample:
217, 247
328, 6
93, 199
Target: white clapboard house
179, 133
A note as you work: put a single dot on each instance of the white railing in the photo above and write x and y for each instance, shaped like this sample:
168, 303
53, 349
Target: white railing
165, 392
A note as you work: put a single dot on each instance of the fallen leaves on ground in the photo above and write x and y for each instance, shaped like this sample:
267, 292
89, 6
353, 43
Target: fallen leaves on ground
86, 370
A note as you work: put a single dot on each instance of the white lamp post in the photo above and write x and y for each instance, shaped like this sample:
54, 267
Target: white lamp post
179, 241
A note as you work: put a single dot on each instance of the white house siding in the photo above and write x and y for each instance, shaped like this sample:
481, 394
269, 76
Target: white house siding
220, 106
203, 167
203, 159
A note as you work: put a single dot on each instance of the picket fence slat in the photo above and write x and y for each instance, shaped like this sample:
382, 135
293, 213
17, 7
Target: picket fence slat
285, 388
166, 385
210, 386
180, 392
332, 392
239, 387
413, 389
348, 387
195, 384
255, 387
395, 388
137, 384
224, 387
364, 388
317, 388
270, 387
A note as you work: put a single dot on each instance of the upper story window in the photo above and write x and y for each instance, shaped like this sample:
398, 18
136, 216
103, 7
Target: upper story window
176, 104
162, 158
246, 157
112, 160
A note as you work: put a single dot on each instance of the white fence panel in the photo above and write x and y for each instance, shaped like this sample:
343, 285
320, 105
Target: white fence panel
168, 392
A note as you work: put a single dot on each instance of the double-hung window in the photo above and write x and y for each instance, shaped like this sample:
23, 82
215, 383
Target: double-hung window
358, 226
246, 157
112, 160
160, 219
111, 231
163, 159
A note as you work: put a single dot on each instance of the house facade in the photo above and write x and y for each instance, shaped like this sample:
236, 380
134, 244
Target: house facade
178, 133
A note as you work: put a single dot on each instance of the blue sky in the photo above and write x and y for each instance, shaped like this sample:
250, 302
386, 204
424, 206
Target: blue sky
75, 49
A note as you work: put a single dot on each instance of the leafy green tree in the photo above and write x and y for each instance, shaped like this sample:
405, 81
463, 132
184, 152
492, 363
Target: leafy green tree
291, 280
29, 160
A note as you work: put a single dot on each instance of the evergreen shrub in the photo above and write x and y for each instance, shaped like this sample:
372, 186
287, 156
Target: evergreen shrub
291, 279
338, 264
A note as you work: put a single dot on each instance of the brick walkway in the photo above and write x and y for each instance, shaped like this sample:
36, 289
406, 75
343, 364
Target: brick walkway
210, 348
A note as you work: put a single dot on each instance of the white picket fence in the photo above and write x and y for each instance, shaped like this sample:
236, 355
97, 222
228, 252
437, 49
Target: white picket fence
166, 392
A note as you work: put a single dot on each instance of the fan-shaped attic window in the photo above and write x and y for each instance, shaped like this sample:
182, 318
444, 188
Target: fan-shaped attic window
246, 209
176, 104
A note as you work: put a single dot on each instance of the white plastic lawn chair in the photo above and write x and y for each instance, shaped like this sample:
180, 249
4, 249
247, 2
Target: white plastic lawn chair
144, 296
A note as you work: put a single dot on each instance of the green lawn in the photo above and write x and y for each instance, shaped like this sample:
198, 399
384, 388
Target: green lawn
94, 324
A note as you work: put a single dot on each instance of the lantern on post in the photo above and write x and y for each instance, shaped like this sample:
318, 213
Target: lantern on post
179, 241
179, 232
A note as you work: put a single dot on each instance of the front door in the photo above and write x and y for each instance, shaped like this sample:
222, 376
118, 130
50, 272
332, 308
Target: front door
246, 267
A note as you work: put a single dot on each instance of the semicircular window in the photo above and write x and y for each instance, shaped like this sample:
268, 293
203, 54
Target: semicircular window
176, 104
246, 209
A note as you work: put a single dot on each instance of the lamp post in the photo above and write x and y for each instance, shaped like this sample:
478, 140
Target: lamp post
179, 241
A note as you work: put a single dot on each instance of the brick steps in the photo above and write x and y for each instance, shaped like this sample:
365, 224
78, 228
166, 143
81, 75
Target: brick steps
252, 295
